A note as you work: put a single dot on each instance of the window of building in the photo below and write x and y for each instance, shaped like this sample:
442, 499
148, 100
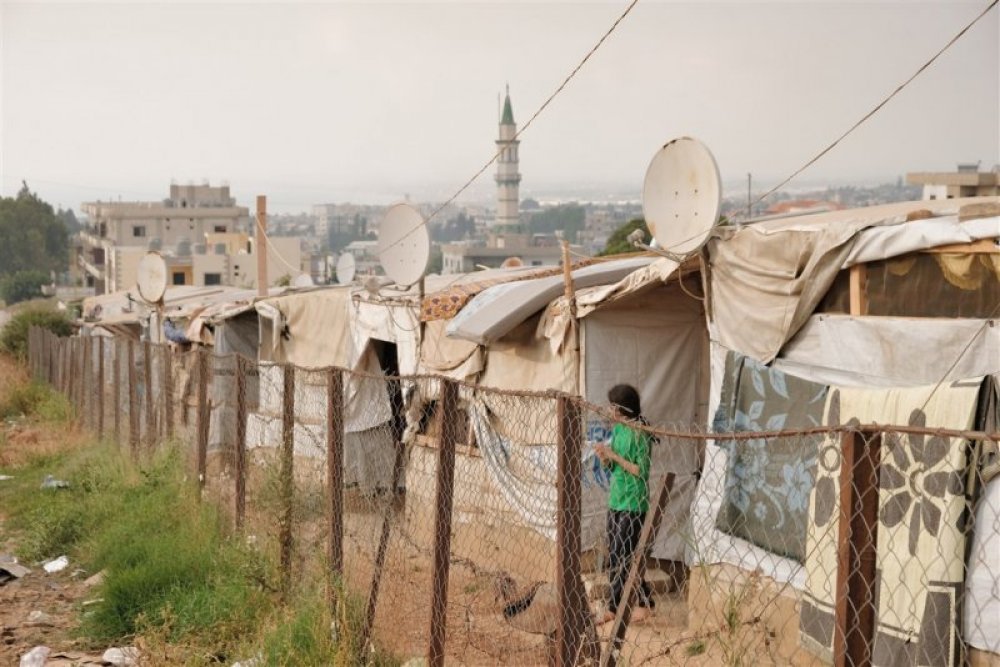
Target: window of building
220, 229
213, 278
177, 278
138, 231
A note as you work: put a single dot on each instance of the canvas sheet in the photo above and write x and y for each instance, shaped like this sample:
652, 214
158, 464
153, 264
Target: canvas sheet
920, 543
440, 355
882, 351
768, 482
319, 331
894, 240
767, 278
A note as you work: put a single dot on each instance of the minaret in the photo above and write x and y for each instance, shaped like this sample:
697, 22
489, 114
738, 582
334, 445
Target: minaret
507, 177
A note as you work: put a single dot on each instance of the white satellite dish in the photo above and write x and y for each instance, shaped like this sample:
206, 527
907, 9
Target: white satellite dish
404, 246
151, 278
681, 195
303, 280
345, 269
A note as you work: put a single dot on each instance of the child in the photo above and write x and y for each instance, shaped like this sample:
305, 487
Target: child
627, 459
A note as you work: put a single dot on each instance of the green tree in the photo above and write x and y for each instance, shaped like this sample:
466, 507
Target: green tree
14, 336
618, 241
568, 218
32, 237
21, 286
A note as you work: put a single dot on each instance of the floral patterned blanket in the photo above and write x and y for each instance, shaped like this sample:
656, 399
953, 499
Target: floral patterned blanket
768, 482
920, 539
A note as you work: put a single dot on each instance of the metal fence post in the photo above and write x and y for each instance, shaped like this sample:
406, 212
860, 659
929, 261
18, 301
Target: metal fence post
241, 441
287, 473
335, 479
451, 431
569, 585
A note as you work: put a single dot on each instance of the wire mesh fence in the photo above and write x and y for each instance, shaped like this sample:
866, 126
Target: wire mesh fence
477, 526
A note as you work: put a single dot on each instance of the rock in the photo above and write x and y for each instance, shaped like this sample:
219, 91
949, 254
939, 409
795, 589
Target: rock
255, 661
51, 482
95, 580
126, 656
35, 657
37, 619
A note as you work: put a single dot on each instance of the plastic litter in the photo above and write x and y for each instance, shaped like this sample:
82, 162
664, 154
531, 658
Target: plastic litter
56, 565
4, 478
11, 571
256, 661
51, 482
35, 657
126, 656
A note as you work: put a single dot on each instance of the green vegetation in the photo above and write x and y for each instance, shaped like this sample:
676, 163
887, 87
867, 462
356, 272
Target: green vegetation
177, 580
21, 286
568, 218
618, 241
32, 236
14, 336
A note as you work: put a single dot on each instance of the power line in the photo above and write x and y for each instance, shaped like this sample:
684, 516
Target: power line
531, 120
879, 105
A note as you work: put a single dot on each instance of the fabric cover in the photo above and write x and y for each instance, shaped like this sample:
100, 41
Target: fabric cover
920, 543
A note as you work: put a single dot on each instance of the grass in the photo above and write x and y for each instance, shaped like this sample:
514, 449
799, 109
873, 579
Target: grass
178, 582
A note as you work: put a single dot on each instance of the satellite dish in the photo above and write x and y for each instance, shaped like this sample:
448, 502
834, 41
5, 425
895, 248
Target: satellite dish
345, 269
303, 280
681, 195
404, 245
151, 277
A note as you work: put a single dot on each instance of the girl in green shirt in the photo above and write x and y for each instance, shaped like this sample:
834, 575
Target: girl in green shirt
627, 459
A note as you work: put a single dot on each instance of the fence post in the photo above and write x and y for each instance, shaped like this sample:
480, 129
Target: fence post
86, 380
168, 392
116, 383
287, 476
451, 431
100, 387
203, 417
133, 400
147, 363
569, 585
335, 480
241, 441
854, 605
649, 528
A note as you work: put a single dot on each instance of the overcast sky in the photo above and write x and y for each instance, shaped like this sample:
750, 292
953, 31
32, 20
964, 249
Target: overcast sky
319, 102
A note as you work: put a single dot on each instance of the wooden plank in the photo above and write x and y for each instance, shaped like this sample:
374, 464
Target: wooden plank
240, 453
451, 433
147, 362
859, 287
86, 382
133, 400
168, 392
335, 481
116, 383
204, 415
980, 247
854, 604
572, 599
287, 478
624, 612
101, 388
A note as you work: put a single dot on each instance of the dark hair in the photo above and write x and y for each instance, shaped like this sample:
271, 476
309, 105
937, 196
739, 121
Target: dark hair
626, 398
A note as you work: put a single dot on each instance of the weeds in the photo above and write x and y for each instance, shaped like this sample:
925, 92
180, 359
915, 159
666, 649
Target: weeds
35, 400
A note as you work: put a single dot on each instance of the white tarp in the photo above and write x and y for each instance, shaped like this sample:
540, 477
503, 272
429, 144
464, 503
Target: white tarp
891, 351
894, 240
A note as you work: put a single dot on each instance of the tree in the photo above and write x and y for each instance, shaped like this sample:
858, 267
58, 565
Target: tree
568, 218
14, 336
618, 241
32, 237
68, 218
21, 286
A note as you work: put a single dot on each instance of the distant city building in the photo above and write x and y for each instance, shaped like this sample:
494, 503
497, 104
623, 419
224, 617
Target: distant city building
200, 231
967, 181
508, 239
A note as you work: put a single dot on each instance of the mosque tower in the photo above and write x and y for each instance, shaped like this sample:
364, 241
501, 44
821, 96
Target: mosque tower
507, 176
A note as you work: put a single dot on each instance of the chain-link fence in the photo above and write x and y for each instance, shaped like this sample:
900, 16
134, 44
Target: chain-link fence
478, 526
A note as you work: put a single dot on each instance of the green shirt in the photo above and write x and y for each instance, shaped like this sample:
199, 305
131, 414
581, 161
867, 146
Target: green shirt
628, 492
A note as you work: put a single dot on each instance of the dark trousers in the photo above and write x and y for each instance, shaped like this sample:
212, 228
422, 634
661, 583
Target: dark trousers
623, 538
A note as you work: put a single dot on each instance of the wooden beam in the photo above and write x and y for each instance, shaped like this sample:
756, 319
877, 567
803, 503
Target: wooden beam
859, 287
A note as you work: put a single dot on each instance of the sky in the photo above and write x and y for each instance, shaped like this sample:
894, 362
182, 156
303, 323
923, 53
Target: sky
370, 102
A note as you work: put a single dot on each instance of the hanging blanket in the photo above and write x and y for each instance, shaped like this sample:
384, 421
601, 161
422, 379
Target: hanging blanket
920, 541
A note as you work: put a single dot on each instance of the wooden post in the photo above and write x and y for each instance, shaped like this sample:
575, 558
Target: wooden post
858, 289
204, 415
147, 362
239, 460
287, 473
101, 388
116, 384
854, 604
335, 479
451, 432
260, 245
624, 612
133, 400
569, 585
86, 382
168, 392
